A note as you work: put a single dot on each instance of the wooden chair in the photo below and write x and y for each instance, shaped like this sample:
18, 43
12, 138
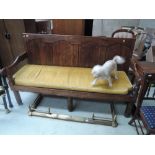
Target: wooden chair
145, 72
123, 33
4, 91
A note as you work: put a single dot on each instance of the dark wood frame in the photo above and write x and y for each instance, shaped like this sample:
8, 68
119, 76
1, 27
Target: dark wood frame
75, 51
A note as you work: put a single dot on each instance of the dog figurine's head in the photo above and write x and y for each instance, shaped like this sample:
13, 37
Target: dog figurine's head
96, 71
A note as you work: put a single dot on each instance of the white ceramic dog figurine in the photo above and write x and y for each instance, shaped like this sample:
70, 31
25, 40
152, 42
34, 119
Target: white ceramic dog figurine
104, 71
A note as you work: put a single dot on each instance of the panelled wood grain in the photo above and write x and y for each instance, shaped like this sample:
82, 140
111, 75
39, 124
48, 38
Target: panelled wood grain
64, 54
77, 51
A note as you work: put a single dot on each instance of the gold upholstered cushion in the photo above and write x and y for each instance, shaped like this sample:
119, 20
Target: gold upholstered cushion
71, 78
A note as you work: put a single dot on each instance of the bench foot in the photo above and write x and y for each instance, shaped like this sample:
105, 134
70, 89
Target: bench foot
70, 105
128, 110
18, 98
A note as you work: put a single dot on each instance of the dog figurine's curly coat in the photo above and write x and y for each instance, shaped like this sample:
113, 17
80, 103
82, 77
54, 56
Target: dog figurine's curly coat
104, 71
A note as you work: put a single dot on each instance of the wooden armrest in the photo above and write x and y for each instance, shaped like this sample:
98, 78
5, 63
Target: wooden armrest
134, 62
7, 71
18, 60
137, 78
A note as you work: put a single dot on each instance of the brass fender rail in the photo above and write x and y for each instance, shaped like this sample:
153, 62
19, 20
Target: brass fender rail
93, 120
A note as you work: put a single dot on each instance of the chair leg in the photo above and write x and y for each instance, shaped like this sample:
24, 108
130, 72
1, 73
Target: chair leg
148, 91
153, 94
18, 98
5, 103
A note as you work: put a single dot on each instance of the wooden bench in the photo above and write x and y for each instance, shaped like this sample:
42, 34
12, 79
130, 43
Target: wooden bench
69, 52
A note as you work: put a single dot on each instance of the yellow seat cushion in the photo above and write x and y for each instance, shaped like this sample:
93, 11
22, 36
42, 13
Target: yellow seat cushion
70, 78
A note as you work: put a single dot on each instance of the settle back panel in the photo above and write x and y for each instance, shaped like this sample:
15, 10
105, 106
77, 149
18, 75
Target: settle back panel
76, 51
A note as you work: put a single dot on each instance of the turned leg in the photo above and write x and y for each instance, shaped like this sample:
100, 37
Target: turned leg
114, 121
70, 104
7, 91
18, 98
9, 99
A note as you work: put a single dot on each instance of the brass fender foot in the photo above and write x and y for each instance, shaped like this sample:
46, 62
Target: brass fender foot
114, 124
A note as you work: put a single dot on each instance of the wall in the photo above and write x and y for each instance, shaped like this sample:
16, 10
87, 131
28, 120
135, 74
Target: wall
105, 27
150, 23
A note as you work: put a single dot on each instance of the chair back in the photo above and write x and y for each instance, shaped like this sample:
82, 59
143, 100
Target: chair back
123, 33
